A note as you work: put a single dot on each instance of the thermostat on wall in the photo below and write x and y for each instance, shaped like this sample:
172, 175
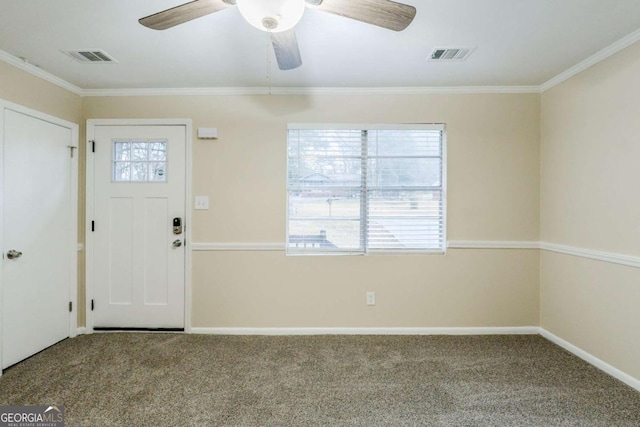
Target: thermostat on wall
207, 133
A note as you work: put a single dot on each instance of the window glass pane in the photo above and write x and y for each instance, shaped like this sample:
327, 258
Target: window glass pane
140, 151
325, 143
122, 171
139, 161
319, 159
122, 151
157, 171
404, 142
327, 235
404, 172
139, 171
405, 220
157, 151
328, 217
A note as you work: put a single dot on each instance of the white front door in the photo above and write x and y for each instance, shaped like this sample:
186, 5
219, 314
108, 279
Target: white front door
39, 227
138, 255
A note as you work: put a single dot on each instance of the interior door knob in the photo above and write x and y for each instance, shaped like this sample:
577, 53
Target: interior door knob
177, 243
12, 254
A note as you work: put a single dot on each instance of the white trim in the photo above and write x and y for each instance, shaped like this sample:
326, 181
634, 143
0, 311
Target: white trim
226, 91
251, 246
80, 247
592, 60
488, 244
366, 126
89, 215
614, 258
516, 330
91, 124
188, 295
73, 244
39, 72
81, 330
588, 357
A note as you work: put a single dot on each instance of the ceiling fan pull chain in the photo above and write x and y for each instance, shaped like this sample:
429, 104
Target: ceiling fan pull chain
269, 60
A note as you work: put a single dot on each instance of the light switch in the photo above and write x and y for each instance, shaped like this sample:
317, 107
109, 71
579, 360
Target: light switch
202, 202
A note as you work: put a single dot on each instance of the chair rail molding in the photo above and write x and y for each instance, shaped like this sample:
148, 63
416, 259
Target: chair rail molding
610, 257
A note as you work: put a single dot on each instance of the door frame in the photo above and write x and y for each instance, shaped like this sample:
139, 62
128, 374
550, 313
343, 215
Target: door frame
72, 246
89, 208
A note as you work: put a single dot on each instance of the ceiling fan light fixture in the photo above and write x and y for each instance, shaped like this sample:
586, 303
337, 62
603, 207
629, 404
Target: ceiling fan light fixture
272, 15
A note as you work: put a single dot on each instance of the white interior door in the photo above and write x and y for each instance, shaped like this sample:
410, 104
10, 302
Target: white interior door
138, 259
38, 230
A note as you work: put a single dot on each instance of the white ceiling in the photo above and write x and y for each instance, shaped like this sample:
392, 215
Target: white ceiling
518, 43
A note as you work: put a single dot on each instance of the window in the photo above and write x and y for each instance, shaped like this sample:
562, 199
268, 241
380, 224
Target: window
365, 189
139, 160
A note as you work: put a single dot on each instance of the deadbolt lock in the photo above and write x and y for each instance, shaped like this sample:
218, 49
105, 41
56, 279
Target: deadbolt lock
177, 225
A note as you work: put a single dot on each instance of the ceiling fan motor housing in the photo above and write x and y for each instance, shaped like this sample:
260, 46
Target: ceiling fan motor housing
272, 15
270, 23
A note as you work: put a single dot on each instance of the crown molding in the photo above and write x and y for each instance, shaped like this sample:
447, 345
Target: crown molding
225, 91
39, 72
592, 60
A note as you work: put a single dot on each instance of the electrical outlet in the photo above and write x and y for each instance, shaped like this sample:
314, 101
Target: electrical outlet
371, 298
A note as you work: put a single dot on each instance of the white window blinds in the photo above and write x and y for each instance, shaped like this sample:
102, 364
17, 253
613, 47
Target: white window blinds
361, 189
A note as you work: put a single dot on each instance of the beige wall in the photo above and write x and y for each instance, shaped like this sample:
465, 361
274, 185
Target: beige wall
589, 199
27, 90
493, 195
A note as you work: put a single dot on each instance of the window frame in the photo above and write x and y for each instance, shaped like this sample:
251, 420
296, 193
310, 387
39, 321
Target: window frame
365, 251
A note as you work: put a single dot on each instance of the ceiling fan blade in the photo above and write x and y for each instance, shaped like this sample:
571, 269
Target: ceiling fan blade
382, 13
285, 45
183, 13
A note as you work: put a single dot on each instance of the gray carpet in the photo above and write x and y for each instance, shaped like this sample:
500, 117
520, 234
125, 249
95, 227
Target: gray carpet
190, 380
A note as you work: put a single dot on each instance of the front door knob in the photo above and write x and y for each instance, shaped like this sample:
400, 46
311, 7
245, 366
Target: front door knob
12, 254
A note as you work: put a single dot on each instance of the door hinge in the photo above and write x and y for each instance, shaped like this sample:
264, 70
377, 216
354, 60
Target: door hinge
93, 146
93, 226
92, 305
70, 306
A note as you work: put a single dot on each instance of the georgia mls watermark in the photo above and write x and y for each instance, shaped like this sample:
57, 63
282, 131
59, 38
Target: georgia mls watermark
31, 416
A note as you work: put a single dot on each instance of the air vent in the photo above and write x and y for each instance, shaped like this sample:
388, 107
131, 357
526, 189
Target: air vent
451, 53
90, 56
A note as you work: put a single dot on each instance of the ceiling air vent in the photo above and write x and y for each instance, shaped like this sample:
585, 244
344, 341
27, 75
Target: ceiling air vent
90, 56
451, 53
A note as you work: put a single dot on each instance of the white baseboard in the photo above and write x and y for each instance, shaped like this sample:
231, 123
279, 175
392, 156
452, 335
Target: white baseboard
517, 330
589, 358
82, 330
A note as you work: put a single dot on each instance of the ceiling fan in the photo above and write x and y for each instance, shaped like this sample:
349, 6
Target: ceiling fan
279, 17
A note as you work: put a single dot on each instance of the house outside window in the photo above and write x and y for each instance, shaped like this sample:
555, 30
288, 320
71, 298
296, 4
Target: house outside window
362, 189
